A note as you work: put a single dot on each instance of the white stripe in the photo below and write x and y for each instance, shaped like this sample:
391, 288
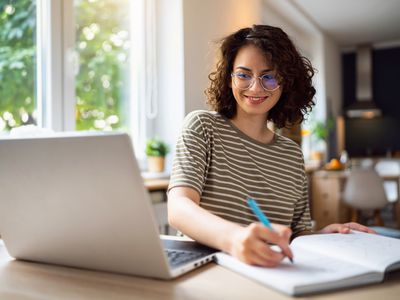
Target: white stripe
285, 220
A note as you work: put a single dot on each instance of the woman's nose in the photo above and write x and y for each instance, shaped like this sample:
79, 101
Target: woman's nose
256, 86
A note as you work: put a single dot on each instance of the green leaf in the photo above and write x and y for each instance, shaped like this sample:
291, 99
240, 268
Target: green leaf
156, 147
321, 129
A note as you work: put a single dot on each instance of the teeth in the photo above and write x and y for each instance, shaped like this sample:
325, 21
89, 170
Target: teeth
256, 98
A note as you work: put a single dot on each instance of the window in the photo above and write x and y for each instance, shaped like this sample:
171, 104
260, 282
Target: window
103, 41
83, 65
17, 63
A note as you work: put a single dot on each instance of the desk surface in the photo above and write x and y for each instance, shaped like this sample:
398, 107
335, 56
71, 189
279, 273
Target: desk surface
26, 280
344, 174
156, 184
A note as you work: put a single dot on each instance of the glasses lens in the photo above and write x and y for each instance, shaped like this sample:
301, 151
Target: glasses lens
242, 81
269, 82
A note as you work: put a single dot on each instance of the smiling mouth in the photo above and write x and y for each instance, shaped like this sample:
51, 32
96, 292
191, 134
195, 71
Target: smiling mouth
256, 100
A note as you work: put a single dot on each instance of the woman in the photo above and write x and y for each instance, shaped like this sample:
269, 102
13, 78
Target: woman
225, 156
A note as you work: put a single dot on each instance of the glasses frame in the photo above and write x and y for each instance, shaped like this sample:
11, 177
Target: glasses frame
253, 80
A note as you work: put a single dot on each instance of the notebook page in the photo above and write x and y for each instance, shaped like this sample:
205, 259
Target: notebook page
310, 272
369, 250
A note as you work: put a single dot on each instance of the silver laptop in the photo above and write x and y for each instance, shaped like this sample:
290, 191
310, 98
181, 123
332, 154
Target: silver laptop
79, 200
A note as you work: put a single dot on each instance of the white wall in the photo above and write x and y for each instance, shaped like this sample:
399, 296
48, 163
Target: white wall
333, 75
205, 22
170, 72
333, 88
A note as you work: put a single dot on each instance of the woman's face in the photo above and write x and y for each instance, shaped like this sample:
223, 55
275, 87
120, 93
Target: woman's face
251, 61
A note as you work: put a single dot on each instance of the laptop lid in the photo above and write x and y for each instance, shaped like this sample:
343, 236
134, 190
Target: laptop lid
79, 200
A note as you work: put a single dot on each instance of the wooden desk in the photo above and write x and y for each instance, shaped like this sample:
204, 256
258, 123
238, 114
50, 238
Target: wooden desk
25, 280
156, 184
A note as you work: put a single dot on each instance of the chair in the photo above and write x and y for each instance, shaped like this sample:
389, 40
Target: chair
389, 167
364, 190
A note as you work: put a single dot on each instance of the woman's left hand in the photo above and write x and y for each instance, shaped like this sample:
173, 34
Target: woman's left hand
345, 228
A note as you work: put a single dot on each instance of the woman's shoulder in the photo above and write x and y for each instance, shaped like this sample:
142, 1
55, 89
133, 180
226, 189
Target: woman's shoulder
203, 114
203, 118
288, 145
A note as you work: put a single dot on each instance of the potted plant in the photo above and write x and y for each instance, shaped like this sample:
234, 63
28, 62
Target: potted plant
320, 131
156, 150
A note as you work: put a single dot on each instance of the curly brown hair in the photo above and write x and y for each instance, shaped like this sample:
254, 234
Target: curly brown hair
294, 71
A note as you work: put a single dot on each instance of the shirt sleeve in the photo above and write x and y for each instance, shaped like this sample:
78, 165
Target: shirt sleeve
301, 218
189, 167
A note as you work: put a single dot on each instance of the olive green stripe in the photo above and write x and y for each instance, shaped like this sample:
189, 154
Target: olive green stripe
255, 190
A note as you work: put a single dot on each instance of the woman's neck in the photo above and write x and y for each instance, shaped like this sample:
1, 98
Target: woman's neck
255, 127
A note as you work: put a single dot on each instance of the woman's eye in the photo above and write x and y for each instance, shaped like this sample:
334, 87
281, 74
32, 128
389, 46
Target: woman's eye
268, 77
243, 76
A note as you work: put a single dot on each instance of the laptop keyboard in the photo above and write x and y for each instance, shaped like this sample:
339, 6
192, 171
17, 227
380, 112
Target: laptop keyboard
180, 257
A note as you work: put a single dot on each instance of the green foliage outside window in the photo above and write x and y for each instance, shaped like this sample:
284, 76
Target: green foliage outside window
17, 63
103, 47
102, 41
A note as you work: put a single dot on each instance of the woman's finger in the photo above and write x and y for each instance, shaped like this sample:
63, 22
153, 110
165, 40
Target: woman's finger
279, 236
261, 260
344, 228
265, 252
359, 227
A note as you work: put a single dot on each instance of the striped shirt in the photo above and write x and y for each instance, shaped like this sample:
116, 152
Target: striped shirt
225, 166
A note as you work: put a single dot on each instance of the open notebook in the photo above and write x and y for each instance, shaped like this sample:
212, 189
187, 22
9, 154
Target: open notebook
324, 262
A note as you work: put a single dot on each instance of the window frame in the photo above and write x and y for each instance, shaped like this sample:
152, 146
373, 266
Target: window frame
58, 64
55, 77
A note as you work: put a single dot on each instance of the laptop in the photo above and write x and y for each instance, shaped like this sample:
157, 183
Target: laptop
79, 200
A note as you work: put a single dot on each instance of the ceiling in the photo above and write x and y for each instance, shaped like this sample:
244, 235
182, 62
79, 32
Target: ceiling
352, 22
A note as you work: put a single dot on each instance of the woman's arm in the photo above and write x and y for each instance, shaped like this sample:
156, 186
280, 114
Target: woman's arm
248, 244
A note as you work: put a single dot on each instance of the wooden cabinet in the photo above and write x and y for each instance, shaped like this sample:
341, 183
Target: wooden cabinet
326, 204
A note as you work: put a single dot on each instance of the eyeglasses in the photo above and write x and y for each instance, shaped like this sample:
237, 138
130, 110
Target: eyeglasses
245, 81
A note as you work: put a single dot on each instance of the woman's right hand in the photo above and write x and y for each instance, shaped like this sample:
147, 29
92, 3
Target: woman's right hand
251, 244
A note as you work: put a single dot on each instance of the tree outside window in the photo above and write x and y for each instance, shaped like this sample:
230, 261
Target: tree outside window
17, 63
103, 45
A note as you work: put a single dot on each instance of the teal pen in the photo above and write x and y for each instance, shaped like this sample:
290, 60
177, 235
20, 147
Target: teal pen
261, 216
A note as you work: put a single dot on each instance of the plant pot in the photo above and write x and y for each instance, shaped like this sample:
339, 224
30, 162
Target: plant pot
318, 156
155, 163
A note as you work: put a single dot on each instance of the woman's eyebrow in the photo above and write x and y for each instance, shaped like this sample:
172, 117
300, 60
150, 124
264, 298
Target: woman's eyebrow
249, 70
